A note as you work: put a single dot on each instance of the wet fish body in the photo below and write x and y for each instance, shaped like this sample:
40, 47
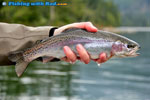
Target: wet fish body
95, 43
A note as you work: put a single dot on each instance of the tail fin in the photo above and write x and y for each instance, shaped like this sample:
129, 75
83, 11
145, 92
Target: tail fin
21, 65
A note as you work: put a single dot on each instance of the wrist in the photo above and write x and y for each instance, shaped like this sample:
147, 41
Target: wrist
52, 31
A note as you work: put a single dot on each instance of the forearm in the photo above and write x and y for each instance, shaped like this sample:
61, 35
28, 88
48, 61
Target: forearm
14, 37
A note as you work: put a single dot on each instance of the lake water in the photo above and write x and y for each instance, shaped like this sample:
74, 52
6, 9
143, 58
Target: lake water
117, 79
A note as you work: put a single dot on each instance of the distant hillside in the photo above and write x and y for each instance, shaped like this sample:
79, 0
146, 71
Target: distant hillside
134, 12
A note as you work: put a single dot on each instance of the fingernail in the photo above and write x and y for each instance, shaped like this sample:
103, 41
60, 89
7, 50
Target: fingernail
86, 62
72, 62
95, 29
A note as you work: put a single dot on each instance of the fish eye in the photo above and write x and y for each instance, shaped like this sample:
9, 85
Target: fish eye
130, 46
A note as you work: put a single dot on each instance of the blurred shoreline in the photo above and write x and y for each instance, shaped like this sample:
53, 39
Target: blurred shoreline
128, 29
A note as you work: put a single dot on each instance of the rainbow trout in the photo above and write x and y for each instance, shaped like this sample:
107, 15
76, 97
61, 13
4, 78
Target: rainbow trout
113, 45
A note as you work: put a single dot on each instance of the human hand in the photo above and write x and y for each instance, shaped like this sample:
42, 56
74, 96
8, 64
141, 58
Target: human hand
84, 25
84, 56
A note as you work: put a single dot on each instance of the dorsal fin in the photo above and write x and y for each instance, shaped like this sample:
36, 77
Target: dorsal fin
71, 29
43, 40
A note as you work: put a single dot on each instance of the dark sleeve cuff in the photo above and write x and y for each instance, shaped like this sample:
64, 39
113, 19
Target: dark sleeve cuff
52, 30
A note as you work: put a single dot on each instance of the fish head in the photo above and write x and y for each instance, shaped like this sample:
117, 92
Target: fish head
125, 48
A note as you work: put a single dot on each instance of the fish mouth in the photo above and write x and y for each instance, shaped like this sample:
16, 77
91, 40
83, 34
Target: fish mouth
133, 52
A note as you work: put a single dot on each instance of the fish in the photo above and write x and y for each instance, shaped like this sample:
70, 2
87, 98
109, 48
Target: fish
114, 45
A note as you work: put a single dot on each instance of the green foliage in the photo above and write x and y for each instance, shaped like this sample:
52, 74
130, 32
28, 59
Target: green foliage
99, 12
104, 13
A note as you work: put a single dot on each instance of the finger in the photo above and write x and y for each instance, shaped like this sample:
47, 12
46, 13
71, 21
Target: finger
85, 25
69, 54
83, 54
102, 58
90, 27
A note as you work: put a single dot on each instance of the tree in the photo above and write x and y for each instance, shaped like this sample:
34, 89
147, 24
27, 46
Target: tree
99, 12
